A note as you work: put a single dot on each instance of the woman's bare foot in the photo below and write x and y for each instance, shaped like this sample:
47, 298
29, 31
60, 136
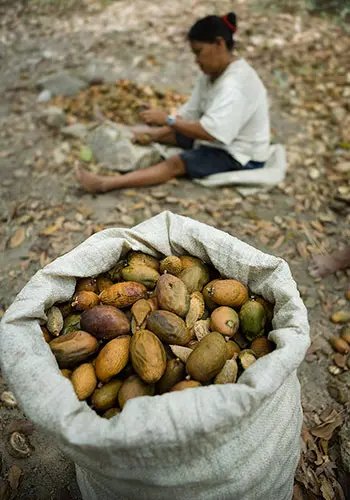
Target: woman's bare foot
92, 183
322, 265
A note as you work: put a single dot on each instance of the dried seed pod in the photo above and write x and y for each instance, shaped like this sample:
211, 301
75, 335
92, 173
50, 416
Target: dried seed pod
140, 310
224, 320
147, 356
190, 261
105, 322
103, 282
84, 381
66, 373
185, 384
347, 294
115, 273
228, 373
196, 309
195, 277
145, 275
252, 318
65, 308
181, 352
85, 300
71, 324
134, 387
54, 321
232, 349
169, 327
340, 317
201, 328
339, 344
112, 412
246, 358
207, 292
46, 334
345, 333
174, 372
86, 284
73, 348
143, 259
8, 399
228, 292
172, 295
112, 358
106, 397
171, 265
123, 294
262, 346
19, 445
208, 358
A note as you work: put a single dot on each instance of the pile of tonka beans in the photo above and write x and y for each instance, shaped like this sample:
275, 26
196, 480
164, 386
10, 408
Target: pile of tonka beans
152, 326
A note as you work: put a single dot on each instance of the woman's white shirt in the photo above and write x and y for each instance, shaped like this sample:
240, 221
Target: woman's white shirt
234, 110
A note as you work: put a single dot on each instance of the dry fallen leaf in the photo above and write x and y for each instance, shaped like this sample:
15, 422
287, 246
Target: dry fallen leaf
17, 238
326, 429
14, 476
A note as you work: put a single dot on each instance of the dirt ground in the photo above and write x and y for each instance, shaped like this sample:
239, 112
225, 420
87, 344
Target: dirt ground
43, 213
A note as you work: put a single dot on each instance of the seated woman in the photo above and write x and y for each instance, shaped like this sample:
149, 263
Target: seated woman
224, 126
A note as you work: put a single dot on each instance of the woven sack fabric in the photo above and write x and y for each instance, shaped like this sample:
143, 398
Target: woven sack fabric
235, 441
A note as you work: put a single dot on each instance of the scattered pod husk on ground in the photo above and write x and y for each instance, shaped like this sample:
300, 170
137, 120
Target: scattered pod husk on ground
345, 333
339, 344
341, 317
54, 322
8, 399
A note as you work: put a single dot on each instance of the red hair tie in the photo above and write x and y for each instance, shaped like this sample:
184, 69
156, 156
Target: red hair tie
228, 24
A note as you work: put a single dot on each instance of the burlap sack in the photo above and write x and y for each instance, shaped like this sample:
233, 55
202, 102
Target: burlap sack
235, 441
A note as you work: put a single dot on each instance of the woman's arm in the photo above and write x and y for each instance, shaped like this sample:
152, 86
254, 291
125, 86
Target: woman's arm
190, 128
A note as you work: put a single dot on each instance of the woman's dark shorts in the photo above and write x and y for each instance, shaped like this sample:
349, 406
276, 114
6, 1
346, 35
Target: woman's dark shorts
206, 160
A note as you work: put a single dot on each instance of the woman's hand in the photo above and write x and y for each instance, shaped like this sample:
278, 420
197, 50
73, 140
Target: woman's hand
154, 116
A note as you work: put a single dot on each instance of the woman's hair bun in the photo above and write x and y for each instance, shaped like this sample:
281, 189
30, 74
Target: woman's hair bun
230, 20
